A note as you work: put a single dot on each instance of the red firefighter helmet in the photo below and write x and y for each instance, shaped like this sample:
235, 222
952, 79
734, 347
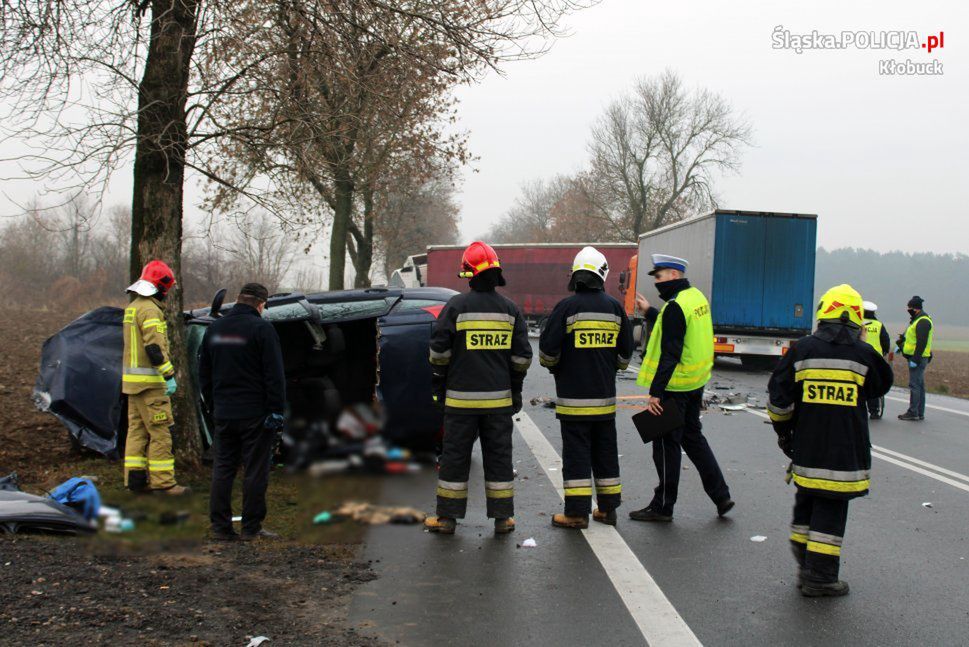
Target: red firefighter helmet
156, 278
477, 258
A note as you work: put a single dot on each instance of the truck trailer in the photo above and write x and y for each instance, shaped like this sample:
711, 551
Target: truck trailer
757, 270
537, 274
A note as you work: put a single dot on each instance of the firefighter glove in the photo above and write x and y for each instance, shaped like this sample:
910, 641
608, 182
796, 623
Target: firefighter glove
913, 364
273, 422
170, 386
786, 442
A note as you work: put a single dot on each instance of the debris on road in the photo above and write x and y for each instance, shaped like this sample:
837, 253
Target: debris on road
375, 515
927, 504
548, 403
258, 640
758, 538
530, 543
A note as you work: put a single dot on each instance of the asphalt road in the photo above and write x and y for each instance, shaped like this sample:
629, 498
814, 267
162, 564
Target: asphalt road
908, 564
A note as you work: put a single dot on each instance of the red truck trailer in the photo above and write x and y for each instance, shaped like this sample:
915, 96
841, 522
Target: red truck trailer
537, 274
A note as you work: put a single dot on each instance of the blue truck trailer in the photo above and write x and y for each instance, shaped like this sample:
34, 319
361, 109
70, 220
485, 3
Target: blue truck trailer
757, 270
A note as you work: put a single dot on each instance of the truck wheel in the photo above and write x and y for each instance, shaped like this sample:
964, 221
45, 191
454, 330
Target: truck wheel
759, 362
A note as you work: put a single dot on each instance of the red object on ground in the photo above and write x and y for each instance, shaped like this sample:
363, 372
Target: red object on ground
537, 275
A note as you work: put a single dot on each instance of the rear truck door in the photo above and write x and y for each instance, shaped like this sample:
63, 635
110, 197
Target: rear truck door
789, 273
738, 272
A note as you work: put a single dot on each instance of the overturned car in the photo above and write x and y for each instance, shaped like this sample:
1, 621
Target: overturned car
355, 362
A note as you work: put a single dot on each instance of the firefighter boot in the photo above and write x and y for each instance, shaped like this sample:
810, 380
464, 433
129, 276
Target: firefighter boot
608, 518
440, 525
811, 589
577, 522
504, 526
175, 490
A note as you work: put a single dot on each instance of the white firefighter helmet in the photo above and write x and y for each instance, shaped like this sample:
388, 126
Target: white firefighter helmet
592, 260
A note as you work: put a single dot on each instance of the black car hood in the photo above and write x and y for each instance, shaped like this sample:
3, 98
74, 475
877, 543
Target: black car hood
80, 378
20, 511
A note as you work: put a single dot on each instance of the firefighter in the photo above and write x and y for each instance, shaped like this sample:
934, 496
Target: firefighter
479, 354
877, 336
148, 379
677, 365
915, 345
586, 339
818, 396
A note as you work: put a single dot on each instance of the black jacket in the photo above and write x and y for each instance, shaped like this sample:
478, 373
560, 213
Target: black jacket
674, 332
241, 366
586, 339
479, 353
819, 391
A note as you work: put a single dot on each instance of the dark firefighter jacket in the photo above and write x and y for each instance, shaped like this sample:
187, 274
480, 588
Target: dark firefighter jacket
479, 353
819, 391
586, 339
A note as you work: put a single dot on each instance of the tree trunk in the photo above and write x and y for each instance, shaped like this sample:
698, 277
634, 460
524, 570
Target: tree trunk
364, 258
159, 173
342, 213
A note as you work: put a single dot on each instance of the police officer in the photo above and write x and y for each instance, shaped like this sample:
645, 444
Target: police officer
586, 339
916, 346
479, 355
877, 336
242, 380
148, 379
818, 395
677, 365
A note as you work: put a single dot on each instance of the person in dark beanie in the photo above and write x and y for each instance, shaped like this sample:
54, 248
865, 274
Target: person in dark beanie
242, 382
915, 345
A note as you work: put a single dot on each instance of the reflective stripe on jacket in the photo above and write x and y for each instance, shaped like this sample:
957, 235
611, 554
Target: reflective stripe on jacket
146, 361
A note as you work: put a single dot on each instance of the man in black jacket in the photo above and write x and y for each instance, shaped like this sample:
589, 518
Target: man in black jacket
586, 339
479, 353
243, 384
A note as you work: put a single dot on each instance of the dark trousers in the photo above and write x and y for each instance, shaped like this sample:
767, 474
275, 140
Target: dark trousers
248, 443
816, 535
590, 446
460, 432
916, 386
667, 455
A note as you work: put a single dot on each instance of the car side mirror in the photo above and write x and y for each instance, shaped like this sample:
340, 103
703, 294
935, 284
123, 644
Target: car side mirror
217, 300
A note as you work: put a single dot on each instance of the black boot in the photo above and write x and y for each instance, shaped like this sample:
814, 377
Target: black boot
649, 514
835, 589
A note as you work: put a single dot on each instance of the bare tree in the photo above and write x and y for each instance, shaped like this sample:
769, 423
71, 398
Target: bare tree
656, 153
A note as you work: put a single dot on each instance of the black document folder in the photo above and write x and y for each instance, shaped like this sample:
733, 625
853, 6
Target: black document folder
651, 427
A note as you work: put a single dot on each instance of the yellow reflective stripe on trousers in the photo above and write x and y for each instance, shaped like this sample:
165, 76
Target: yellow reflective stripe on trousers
832, 486
158, 466
585, 411
608, 489
499, 494
135, 461
578, 491
799, 537
452, 494
824, 549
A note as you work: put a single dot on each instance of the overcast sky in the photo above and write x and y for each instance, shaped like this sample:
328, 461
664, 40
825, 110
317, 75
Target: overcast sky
881, 159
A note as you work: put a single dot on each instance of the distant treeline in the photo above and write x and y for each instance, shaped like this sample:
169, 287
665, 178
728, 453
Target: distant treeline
890, 279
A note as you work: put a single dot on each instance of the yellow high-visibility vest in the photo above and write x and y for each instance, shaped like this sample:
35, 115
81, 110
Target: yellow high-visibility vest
909, 347
696, 363
874, 334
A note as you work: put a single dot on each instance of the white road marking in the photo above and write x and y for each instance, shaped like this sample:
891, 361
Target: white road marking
895, 461
650, 609
930, 406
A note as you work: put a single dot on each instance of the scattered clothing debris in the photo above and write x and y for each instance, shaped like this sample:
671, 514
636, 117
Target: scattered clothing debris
758, 538
258, 640
530, 543
20, 511
80, 494
927, 504
548, 403
375, 515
